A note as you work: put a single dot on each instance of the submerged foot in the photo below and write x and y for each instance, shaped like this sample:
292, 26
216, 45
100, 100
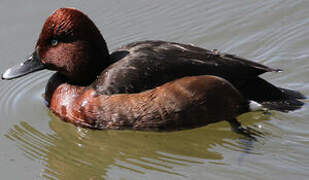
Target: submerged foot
246, 131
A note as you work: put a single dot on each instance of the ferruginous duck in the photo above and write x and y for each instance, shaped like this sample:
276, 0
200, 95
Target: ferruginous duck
154, 85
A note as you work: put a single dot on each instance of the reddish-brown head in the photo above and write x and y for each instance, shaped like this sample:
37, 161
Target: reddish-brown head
71, 44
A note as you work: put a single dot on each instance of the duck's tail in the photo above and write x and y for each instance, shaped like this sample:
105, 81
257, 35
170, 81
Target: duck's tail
283, 105
254, 106
272, 97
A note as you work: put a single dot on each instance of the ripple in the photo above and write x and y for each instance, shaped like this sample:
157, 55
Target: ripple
70, 152
21, 100
18, 94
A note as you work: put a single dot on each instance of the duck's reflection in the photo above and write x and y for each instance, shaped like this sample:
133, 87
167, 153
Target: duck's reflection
76, 153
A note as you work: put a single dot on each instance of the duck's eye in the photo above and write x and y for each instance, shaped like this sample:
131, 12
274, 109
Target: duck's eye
54, 42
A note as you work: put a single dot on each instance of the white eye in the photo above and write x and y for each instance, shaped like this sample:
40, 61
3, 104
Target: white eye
54, 42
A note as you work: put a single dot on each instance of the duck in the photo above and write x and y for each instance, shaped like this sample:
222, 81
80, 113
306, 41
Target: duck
145, 85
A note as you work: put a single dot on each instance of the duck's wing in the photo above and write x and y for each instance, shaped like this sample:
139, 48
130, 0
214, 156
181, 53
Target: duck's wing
189, 54
226, 58
145, 65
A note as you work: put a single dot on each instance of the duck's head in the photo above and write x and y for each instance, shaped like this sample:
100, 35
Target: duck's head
69, 43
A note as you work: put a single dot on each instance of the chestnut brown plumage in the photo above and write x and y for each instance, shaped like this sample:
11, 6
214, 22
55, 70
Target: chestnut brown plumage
184, 103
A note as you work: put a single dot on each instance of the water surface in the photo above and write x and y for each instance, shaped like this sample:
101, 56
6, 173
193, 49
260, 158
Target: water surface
37, 145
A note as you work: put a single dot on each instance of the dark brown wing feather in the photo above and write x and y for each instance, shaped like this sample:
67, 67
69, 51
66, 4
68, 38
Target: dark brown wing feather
144, 65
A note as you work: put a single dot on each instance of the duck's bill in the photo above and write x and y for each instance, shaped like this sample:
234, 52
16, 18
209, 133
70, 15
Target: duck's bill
32, 64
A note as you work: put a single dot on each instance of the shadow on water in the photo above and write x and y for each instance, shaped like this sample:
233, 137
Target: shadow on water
76, 153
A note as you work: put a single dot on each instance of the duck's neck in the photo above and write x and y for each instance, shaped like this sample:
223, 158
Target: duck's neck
88, 73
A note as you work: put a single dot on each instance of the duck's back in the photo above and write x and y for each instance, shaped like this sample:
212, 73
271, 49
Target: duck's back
144, 65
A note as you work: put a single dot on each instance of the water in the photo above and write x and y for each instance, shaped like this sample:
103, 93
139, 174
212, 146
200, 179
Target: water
37, 145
